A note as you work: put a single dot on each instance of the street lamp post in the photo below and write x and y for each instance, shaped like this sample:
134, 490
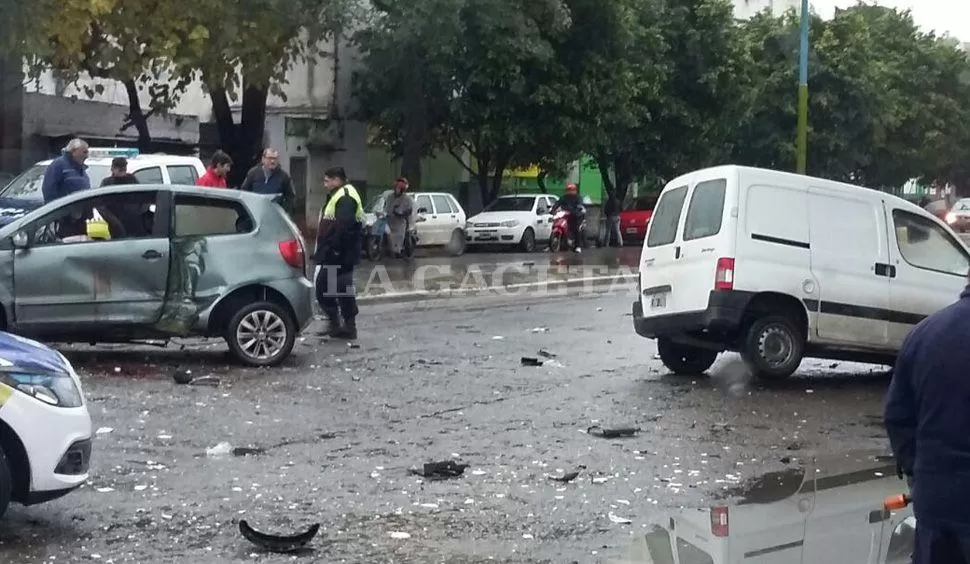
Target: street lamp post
802, 128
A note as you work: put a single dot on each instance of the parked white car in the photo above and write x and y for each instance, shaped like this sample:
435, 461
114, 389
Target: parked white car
521, 220
439, 219
779, 266
45, 429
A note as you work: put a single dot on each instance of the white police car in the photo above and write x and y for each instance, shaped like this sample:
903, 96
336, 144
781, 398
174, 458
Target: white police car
23, 193
45, 429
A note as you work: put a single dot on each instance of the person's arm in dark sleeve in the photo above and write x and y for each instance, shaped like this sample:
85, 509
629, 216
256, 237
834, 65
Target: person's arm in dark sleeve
900, 414
51, 176
288, 200
345, 216
247, 185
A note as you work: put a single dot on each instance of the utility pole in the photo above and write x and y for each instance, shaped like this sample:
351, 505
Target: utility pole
802, 128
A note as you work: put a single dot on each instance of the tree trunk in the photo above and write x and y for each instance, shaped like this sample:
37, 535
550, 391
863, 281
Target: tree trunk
137, 117
497, 176
252, 128
411, 161
481, 177
541, 180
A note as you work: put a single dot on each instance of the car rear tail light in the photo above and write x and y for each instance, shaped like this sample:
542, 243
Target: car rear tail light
724, 277
292, 253
719, 521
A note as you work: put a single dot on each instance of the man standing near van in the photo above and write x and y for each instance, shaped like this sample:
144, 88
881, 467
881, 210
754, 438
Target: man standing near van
67, 173
928, 423
269, 178
218, 172
339, 245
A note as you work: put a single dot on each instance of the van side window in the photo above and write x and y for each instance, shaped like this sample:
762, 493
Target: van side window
706, 210
926, 245
663, 224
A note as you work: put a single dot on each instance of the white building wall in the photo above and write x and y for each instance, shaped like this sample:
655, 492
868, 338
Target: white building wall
744, 9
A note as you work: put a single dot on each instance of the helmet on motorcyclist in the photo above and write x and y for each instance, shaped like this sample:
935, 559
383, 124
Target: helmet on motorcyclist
401, 184
572, 188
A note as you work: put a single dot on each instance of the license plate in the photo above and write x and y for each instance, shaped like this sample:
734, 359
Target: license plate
658, 301
631, 229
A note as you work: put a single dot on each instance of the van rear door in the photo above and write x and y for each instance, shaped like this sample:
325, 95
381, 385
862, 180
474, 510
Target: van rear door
690, 230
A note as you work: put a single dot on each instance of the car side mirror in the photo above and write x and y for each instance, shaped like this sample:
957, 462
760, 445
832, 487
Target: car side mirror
422, 210
20, 240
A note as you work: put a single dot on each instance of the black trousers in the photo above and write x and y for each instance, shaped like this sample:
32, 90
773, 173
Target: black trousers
940, 547
335, 291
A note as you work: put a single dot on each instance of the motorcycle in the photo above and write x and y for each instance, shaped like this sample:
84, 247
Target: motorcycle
561, 238
377, 242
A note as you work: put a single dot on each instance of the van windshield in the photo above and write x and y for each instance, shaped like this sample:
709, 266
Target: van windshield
666, 217
706, 210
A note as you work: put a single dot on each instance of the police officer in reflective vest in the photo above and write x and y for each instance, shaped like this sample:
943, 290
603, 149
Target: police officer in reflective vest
340, 236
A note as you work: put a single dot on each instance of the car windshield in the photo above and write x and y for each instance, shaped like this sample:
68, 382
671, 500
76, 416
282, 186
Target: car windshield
644, 203
28, 185
513, 204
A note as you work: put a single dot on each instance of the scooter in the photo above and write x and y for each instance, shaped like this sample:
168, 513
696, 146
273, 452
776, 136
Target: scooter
561, 238
378, 239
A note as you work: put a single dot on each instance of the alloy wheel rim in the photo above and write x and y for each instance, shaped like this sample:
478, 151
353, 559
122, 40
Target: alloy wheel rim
261, 334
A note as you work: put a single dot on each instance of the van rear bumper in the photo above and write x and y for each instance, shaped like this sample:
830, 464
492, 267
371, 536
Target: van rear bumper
724, 314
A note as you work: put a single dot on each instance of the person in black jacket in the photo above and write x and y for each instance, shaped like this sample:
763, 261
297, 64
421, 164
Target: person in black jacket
269, 178
340, 236
573, 203
927, 417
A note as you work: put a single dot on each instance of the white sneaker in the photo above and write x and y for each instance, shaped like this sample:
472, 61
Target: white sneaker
579, 250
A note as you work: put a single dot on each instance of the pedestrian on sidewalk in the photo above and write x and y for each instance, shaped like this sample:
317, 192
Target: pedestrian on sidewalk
340, 234
268, 177
612, 209
399, 207
926, 418
218, 172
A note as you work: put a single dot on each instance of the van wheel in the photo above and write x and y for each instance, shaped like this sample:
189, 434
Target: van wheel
684, 359
261, 334
6, 483
773, 347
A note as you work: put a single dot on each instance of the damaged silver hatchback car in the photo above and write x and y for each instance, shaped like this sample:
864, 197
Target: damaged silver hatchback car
173, 261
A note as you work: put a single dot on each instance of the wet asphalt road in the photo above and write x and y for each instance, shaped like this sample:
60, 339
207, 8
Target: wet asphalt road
431, 381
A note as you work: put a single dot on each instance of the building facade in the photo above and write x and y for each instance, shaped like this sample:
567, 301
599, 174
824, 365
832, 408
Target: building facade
744, 9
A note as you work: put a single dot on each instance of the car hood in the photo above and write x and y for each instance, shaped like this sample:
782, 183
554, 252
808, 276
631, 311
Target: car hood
27, 354
498, 217
15, 208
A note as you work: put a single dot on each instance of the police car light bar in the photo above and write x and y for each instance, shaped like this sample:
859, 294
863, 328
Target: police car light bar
111, 152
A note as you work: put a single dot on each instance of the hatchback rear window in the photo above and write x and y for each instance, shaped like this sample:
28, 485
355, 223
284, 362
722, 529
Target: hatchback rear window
666, 217
706, 210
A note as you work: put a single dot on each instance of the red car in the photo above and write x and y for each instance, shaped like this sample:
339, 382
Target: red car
635, 219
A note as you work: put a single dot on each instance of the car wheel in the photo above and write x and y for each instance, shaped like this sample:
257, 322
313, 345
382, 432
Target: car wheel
528, 242
773, 347
456, 246
555, 243
6, 483
261, 334
684, 359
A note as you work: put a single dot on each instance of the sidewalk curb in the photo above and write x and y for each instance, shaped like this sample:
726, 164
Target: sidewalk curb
418, 295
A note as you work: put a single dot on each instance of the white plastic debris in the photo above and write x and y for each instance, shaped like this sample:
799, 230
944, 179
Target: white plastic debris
614, 518
220, 449
540, 330
527, 536
105, 430
105, 490
400, 535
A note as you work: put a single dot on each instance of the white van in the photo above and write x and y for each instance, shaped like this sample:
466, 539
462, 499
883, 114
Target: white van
781, 266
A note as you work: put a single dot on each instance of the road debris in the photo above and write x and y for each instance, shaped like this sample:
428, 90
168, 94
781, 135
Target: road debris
567, 477
440, 470
182, 375
278, 543
614, 518
205, 381
531, 361
399, 535
602, 433
248, 451
220, 449
105, 430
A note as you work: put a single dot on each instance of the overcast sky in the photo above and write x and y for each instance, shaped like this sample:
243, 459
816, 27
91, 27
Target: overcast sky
951, 16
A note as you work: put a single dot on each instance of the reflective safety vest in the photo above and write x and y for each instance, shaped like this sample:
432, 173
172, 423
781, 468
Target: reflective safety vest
330, 210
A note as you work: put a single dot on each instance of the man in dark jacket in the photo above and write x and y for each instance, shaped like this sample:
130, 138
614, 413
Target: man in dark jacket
340, 235
269, 178
119, 174
927, 418
573, 203
67, 174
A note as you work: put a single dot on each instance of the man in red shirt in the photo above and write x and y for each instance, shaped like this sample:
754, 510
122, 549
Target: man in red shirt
215, 176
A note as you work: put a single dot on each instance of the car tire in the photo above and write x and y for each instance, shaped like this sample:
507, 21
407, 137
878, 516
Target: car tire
773, 347
456, 246
684, 359
528, 242
555, 243
6, 483
269, 316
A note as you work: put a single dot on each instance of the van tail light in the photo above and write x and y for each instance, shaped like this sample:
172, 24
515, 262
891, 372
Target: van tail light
724, 278
719, 521
292, 253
